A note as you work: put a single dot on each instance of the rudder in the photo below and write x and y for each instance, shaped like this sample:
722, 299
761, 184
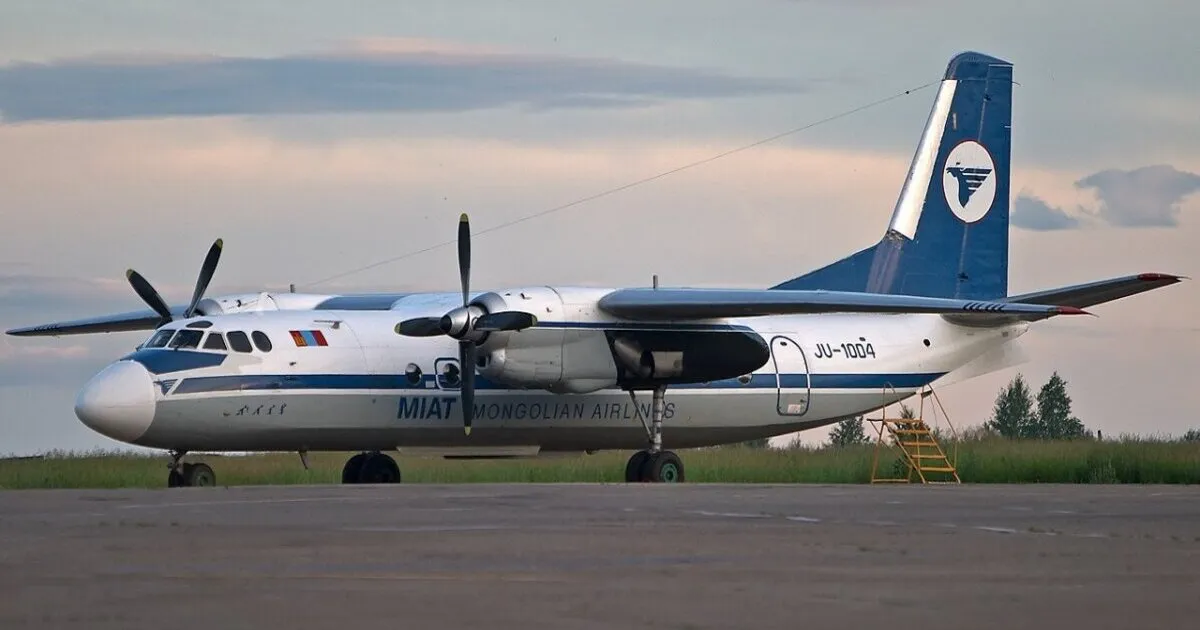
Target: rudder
948, 235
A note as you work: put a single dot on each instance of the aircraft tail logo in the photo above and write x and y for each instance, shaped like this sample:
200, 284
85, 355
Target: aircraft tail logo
967, 181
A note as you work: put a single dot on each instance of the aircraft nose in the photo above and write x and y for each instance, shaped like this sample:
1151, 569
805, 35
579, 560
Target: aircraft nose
118, 402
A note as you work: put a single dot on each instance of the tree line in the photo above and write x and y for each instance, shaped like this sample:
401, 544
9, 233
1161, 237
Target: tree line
1017, 414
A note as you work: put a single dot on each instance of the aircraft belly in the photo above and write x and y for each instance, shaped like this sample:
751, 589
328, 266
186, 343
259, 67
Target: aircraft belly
353, 421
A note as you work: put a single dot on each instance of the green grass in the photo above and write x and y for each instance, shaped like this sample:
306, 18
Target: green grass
989, 460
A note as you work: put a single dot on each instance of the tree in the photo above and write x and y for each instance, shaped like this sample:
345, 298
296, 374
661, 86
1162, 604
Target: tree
848, 432
1054, 419
1013, 415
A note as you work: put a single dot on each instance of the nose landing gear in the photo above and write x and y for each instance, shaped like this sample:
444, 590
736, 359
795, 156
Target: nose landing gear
189, 475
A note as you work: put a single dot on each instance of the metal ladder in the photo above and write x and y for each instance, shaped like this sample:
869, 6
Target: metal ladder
921, 456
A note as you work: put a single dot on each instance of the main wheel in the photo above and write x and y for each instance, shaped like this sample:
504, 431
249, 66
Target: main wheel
379, 468
353, 468
198, 475
633, 469
663, 467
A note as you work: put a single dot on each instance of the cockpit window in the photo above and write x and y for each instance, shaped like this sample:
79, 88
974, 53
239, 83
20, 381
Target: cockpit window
159, 339
215, 341
261, 341
186, 339
239, 341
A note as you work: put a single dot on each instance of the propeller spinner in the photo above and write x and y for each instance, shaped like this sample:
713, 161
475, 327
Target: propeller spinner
467, 323
146, 291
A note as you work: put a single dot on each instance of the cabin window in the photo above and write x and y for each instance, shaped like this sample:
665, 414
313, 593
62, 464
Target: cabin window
215, 341
451, 376
261, 341
204, 323
186, 339
160, 338
412, 374
239, 341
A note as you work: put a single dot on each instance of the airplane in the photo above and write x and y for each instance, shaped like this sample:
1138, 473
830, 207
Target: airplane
541, 370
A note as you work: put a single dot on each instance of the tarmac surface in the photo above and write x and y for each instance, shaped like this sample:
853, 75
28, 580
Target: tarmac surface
602, 556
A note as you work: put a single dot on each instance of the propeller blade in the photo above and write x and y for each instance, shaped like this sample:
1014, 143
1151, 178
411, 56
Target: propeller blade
466, 361
206, 273
505, 320
464, 255
420, 327
142, 287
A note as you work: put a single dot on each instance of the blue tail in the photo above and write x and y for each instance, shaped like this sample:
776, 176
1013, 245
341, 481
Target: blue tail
949, 231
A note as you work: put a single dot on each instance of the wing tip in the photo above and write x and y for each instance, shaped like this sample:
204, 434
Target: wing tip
1160, 277
30, 331
1071, 310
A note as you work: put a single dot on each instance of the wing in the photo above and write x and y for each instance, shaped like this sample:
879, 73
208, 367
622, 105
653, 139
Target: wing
682, 304
146, 319
1092, 293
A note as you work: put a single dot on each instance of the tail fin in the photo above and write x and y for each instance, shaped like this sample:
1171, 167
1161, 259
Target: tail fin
948, 236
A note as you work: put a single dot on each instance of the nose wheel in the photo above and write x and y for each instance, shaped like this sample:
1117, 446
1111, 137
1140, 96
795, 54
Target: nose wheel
654, 464
189, 475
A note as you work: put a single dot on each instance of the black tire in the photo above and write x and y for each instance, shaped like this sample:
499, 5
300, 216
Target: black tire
379, 468
175, 479
353, 468
633, 469
663, 467
199, 476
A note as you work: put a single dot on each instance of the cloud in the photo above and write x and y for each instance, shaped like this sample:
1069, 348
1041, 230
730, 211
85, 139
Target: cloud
1031, 213
55, 292
1150, 196
1144, 197
48, 362
374, 76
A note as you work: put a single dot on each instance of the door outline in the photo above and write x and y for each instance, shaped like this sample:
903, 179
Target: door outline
786, 405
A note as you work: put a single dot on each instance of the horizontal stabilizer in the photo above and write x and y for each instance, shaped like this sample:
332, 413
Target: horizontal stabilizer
146, 319
677, 304
1075, 296
1092, 293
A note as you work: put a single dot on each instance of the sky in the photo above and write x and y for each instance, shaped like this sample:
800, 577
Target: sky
318, 140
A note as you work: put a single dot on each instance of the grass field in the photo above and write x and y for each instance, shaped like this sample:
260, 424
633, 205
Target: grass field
992, 460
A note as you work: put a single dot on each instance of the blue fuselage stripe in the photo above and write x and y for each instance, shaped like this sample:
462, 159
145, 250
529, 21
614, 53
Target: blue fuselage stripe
398, 382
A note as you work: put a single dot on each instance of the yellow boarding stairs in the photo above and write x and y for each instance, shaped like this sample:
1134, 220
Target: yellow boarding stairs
920, 455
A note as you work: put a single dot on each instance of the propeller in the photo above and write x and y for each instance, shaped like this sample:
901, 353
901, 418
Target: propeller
466, 347
467, 323
150, 296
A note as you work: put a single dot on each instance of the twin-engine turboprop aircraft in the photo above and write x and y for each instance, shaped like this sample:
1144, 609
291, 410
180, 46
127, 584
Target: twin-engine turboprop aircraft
544, 369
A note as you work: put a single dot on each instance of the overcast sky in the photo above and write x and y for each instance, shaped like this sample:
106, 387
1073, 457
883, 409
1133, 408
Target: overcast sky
317, 139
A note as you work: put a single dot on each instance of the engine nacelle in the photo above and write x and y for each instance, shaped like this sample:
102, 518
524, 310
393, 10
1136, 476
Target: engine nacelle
264, 301
561, 353
569, 350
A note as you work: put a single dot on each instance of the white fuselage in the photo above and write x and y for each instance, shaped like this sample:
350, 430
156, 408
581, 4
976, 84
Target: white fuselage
368, 388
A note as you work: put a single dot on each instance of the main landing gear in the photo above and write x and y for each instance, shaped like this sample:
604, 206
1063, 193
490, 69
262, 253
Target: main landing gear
654, 464
189, 475
371, 467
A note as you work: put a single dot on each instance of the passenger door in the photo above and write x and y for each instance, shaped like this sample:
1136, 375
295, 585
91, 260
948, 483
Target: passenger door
792, 383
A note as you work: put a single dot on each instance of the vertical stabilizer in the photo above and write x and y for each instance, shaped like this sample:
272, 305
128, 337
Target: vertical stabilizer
948, 235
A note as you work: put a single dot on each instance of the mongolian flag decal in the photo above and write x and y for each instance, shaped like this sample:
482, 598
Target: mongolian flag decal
308, 338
